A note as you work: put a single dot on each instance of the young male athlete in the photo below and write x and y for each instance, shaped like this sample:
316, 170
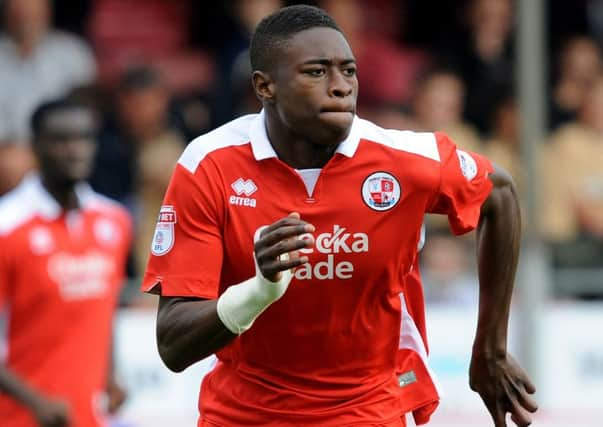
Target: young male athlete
62, 262
286, 238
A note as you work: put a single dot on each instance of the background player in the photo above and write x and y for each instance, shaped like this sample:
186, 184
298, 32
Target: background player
288, 341
62, 263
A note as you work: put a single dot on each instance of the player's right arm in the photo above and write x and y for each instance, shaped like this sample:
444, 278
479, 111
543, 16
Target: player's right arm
474, 193
47, 412
189, 329
196, 316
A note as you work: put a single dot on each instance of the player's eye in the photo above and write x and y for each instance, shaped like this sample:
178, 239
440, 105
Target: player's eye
315, 72
349, 71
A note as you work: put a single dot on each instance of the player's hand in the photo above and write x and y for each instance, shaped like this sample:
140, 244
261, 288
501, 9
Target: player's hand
116, 396
280, 238
504, 387
51, 413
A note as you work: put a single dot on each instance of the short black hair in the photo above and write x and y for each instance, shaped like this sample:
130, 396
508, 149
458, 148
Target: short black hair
276, 29
139, 77
47, 108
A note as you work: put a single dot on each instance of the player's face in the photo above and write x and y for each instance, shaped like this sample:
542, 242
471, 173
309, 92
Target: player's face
316, 85
66, 146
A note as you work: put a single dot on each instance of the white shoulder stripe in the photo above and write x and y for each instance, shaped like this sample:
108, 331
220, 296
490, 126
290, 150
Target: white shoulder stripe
232, 133
421, 143
17, 209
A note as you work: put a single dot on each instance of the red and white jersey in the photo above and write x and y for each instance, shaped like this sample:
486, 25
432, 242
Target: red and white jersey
60, 275
325, 353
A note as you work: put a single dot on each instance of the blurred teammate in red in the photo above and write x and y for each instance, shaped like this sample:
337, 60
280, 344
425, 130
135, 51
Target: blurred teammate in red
286, 238
61, 266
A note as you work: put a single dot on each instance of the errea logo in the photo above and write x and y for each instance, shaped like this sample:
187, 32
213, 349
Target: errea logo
243, 187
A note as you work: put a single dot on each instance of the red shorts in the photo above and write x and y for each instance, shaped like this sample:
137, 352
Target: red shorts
398, 423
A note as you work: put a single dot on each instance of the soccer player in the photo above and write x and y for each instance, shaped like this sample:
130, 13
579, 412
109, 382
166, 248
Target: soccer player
286, 238
62, 262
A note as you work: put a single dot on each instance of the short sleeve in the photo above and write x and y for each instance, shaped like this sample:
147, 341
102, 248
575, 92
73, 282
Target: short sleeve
126, 226
464, 185
5, 272
186, 250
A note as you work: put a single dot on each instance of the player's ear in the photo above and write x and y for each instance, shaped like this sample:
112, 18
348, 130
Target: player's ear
263, 85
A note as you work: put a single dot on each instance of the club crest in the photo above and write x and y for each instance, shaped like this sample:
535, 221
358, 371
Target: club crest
163, 238
381, 191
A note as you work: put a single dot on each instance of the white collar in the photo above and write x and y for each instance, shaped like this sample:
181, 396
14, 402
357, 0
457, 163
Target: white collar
262, 149
45, 204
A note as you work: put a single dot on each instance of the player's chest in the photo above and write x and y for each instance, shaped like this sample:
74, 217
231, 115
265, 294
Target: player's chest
69, 260
361, 217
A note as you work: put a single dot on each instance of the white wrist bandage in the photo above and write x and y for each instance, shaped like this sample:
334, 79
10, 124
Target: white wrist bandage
241, 304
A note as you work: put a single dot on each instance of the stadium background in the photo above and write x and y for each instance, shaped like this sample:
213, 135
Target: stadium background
519, 81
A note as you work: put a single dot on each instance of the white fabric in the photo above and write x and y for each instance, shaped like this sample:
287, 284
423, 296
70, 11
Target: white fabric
30, 198
58, 64
241, 304
410, 338
262, 149
309, 176
231, 134
251, 129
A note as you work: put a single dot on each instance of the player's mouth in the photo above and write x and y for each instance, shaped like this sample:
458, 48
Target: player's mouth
338, 109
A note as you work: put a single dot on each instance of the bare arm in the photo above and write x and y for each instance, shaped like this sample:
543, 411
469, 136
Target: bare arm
116, 395
47, 412
498, 240
494, 374
190, 329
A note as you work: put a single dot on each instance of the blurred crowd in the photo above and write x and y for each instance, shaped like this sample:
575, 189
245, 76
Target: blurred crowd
158, 73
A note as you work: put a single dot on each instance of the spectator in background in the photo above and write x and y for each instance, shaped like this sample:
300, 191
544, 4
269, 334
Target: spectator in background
235, 96
15, 161
484, 58
138, 150
593, 14
580, 63
388, 69
37, 63
503, 146
447, 271
438, 106
60, 280
573, 193
243, 99
160, 35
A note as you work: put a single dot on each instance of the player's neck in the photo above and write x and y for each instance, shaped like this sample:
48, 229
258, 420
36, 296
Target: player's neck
63, 192
295, 150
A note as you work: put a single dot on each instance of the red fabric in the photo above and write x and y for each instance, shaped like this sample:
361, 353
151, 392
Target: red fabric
387, 71
459, 197
124, 33
61, 287
421, 398
325, 353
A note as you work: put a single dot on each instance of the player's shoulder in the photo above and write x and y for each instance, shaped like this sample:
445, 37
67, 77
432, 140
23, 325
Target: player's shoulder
16, 207
232, 134
424, 144
103, 206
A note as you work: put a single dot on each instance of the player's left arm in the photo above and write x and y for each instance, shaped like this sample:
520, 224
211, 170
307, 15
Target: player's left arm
502, 384
116, 394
